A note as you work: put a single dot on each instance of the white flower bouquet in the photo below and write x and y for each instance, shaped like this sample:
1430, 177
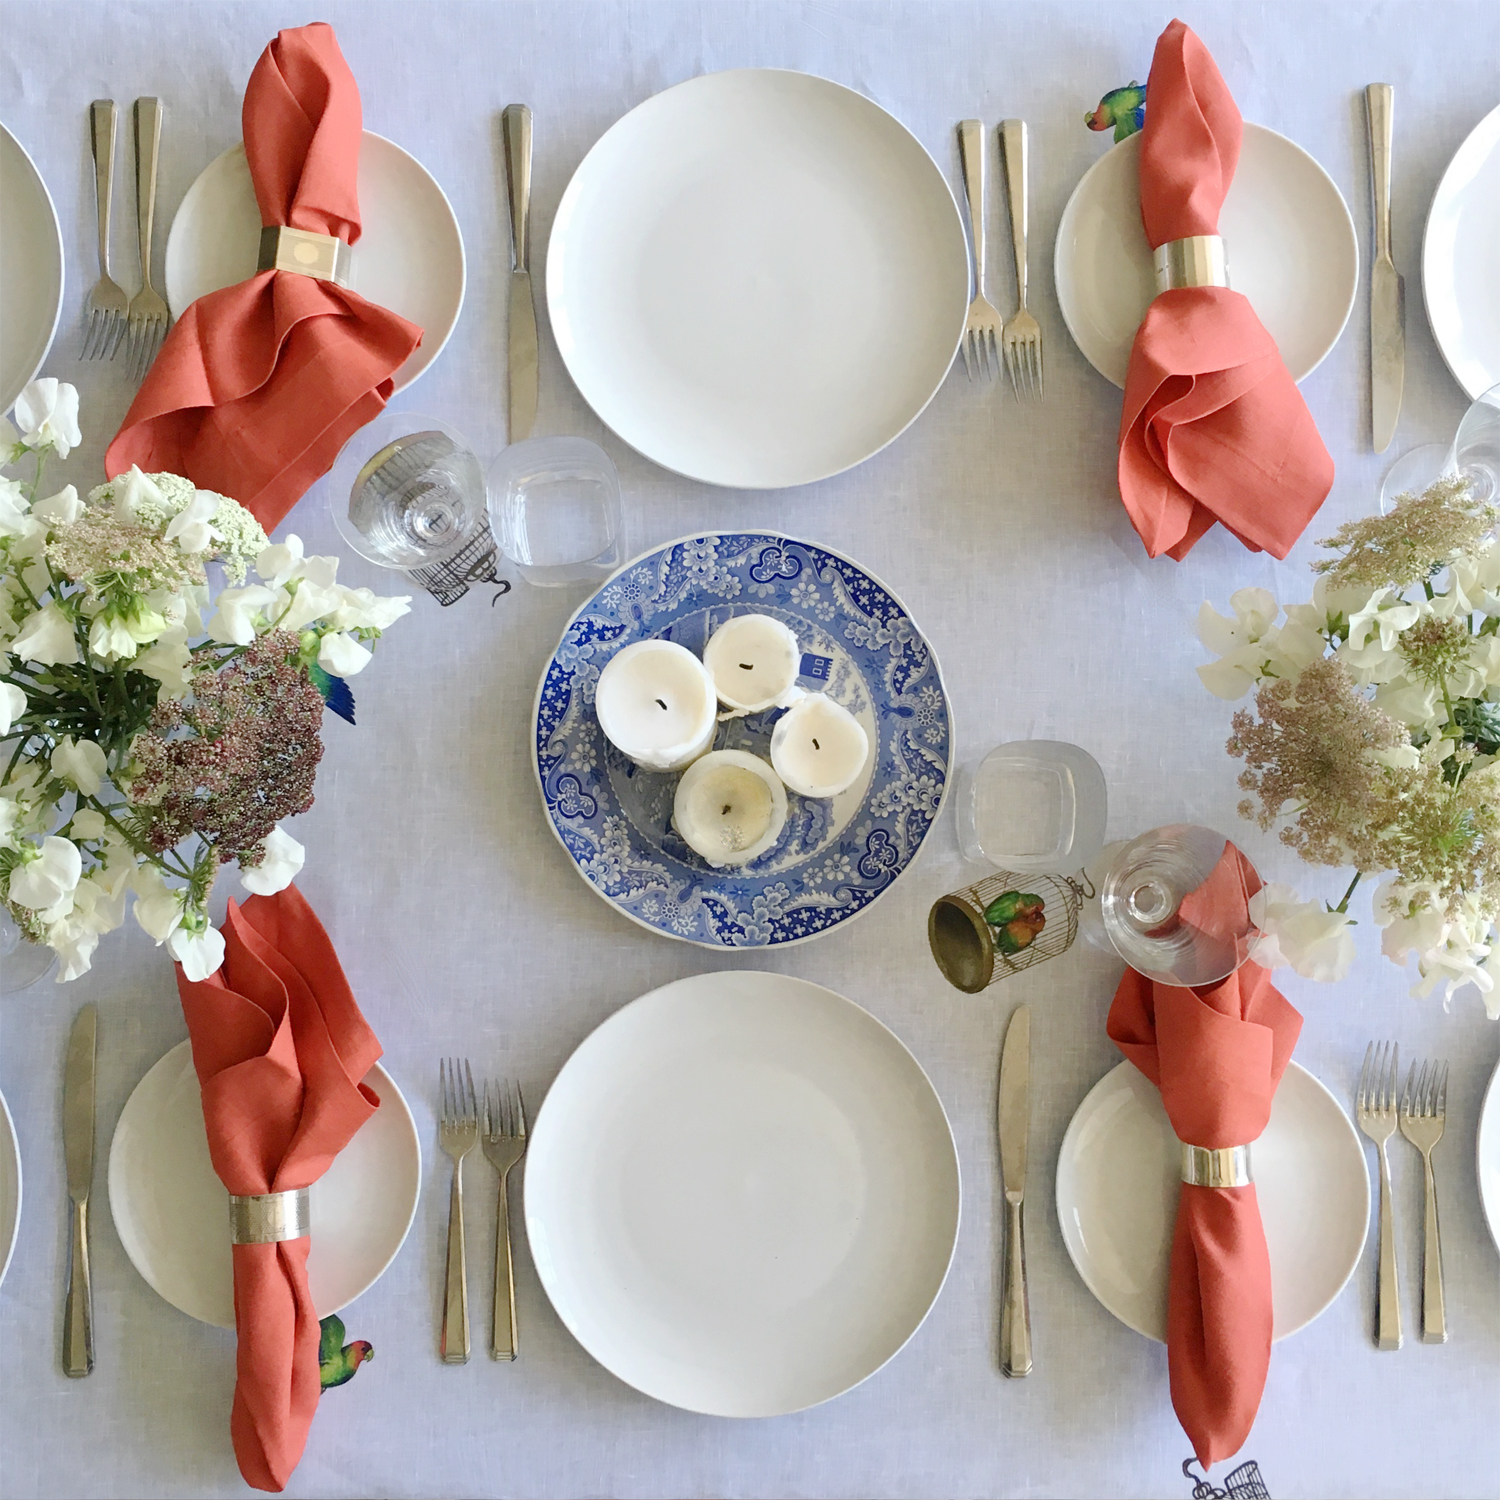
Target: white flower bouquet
141, 749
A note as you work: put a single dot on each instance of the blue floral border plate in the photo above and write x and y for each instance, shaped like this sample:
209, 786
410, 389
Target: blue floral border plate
835, 856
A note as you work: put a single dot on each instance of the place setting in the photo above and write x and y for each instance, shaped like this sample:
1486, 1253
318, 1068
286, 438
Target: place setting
742, 1193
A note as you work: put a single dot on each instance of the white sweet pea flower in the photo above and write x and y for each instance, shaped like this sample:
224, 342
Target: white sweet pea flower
310, 601
1415, 704
61, 509
1382, 616
80, 763
46, 637
199, 953
88, 824
1413, 920
9, 438
1250, 645
169, 661
1255, 612
278, 868
12, 706
191, 527
1491, 996
47, 414
10, 814
98, 907
280, 561
1400, 758
110, 638
158, 906
364, 609
15, 511
234, 621
132, 491
1314, 941
46, 881
340, 655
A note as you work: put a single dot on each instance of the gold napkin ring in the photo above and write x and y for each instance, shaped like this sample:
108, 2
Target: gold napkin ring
1229, 1166
267, 1218
323, 256
1196, 261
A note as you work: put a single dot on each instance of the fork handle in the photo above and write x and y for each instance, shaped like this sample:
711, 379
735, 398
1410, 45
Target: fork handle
455, 1345
1434, 1317
504, 1342
147, 148
1388, 1296
1013, 149
971, 153
103, 119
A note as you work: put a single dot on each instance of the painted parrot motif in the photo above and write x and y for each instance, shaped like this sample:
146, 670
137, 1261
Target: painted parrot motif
1124, 108
337, 1361
1017, 917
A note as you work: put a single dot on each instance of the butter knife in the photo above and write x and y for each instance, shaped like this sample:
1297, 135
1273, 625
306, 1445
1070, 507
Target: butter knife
515, 124
1014, 1122
78, 1149
1387, 290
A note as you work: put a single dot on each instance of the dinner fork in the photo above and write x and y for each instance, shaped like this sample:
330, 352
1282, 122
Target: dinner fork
1022, 336
148, 312
458, 1134
982, 330
105, 310
1376, 1107
1424, 1108
504, 1145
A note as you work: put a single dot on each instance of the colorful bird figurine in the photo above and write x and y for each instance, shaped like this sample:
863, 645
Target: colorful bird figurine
1017, 917
1124, 108
337, 1361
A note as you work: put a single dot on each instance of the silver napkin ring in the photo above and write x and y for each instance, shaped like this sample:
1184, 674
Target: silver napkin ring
267, 1218
323, 256
1229, 1166
1196, 261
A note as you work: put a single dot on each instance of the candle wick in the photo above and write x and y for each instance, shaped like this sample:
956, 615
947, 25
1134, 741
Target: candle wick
816, 745
746, 667
726, 808
663, 705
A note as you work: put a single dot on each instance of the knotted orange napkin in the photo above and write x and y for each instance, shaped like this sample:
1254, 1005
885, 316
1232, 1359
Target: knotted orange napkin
1217, 1054
259, 384
1214, 427
280, 1048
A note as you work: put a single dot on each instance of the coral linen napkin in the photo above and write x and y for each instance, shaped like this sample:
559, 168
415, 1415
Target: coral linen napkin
1214, 427
1217, 1054
258, 385
280, 1047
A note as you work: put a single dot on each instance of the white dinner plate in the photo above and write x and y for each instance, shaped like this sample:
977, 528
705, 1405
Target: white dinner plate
1488, 1152
31, 269
172, 1212
1117, 1188
10, 1187
409, 259
1288, 239
758, 278
742, 1194
1460, 262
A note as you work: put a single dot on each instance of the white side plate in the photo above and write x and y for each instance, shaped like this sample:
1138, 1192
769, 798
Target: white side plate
31, 269
10, 1187
410, 257
1488, 1152
1461, 263
1288, 239
1117, 1188
758, 278
172, 1212
742, 1194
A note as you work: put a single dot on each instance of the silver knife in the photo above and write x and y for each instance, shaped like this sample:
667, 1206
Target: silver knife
515, 125
78, 1148
1014, 1121
1387, 290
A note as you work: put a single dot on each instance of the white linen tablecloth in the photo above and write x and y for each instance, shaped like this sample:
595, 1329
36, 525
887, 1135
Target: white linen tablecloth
464, 930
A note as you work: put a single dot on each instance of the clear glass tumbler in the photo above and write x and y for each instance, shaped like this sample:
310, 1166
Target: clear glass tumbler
555, 510
1033, 806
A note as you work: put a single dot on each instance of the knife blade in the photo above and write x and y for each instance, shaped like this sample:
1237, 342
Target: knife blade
515, 121
1387, 290
1013, 1121
78, 1151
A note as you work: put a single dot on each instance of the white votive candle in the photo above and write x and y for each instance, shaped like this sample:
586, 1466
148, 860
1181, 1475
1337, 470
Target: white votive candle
818, 747
730, 807
753, 660
656, 704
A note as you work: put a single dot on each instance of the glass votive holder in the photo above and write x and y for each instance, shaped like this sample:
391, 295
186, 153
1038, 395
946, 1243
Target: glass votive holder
555, 510
1033, 806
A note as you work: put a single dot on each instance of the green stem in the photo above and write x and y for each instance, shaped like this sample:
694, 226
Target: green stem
1344, 904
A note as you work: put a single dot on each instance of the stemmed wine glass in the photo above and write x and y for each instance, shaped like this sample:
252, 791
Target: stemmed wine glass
22, 963
1473, 454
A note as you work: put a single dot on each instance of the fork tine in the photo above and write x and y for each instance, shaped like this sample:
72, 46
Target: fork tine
520, 1111
89, 325
968, 358
1391, 1076
1408, 1092
1036, 366
473, 1100
996, 364
1441, 1085
443, 1090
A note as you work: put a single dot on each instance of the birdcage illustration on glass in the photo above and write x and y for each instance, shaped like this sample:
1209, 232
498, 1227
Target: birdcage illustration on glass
1002, 925
1243, 1483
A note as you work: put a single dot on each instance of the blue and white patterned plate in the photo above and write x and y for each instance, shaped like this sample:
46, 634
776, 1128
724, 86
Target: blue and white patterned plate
835, 856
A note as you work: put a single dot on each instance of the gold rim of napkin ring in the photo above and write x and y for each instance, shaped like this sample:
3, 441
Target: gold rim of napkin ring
324, 257
1198, 260
1226, 1166
269, 1218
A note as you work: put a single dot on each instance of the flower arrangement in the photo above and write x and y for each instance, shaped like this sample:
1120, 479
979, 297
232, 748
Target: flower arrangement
1374, 741
142, 749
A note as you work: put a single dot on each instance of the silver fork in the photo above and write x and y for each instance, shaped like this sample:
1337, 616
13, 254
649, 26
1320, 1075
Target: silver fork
504, 1145
1376, 1108
458, 1134
1022, 336
105, 310
1424, 1109
982, 330
148, 312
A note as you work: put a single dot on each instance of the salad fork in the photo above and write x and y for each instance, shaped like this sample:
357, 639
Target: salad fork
1376, 1108
504, 1145
148, 313
1022, 335
982, 330
1424, 1109
458, 1134
105, 310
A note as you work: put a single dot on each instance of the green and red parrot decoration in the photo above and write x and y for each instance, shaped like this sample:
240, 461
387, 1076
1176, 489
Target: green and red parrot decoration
1124, 108
1017, 917
337, 1361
